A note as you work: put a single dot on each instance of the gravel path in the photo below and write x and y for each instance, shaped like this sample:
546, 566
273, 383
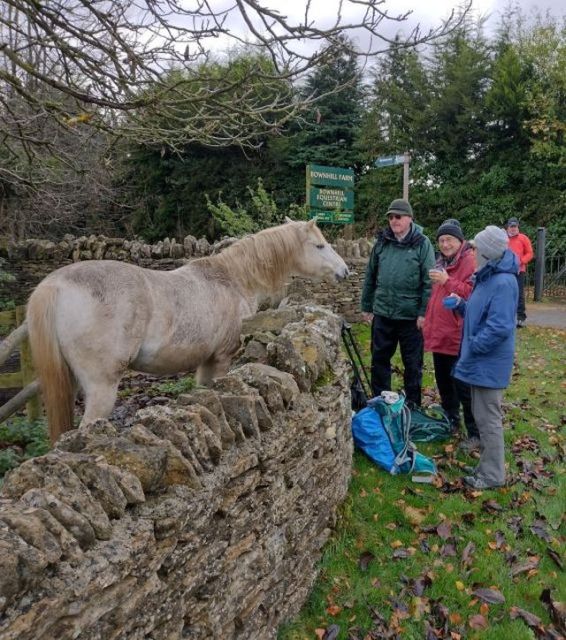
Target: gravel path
543, 314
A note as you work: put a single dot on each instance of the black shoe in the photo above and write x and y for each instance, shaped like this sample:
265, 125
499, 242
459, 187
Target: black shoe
521, 324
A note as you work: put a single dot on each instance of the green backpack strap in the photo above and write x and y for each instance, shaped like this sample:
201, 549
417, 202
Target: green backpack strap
429, 425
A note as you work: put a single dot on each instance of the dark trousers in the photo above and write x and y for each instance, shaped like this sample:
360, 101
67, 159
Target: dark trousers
521, 311
453, 393
386, 334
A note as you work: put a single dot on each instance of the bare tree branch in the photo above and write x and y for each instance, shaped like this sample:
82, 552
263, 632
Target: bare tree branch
75, 74
106, 54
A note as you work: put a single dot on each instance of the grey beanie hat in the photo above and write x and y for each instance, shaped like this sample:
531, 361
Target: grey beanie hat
490, 244
401, 207
450, 227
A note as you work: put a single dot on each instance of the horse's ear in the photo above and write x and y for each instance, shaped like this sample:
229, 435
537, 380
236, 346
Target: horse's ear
287, 219
311, 223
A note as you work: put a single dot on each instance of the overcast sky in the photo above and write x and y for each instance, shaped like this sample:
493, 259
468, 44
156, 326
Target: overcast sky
433, 10
425, 13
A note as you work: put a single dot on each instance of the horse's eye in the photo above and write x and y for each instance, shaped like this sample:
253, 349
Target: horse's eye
320, 246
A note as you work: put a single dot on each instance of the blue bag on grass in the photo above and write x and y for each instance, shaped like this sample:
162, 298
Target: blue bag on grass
381, 431
370, 436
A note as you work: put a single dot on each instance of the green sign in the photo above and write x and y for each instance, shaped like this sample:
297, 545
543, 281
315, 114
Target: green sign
330, 194
331, 199
330, 176
337, 217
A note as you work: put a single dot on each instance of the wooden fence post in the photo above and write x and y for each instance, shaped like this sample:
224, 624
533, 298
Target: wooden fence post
33, 406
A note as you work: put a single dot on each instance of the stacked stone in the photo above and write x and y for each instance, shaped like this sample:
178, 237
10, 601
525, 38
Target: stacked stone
204, 519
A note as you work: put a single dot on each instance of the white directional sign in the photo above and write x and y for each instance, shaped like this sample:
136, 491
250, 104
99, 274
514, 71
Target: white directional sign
389, 161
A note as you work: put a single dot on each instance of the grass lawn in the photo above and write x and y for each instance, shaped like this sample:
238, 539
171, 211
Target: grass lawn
416, 561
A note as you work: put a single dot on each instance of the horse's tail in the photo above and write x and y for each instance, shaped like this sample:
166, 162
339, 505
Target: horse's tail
55, 376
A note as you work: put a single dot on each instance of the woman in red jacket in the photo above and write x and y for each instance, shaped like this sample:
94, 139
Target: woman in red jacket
443, 328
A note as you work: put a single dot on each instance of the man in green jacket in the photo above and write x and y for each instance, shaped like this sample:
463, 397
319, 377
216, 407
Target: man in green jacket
394, 299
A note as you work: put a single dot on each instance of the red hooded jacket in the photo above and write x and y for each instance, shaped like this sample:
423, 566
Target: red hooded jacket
443, 328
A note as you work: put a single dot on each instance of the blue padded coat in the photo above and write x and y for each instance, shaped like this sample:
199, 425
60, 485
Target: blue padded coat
490, 315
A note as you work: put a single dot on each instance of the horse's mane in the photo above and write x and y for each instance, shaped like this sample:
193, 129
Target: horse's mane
259, 262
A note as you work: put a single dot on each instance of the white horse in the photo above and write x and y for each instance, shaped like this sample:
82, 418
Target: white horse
90, 321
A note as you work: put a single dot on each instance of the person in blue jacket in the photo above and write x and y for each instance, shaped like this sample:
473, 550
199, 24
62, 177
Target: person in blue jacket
488, 346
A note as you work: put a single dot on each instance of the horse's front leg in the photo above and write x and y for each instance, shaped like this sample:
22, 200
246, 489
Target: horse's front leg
214, 367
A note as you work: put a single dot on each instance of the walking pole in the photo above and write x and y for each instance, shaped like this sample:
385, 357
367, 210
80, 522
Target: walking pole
352, 349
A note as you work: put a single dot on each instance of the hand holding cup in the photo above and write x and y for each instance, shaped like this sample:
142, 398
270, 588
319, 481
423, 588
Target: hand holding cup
438, 275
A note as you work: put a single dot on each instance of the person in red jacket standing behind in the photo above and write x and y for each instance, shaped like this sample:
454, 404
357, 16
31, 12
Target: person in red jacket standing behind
443, 328
521, 246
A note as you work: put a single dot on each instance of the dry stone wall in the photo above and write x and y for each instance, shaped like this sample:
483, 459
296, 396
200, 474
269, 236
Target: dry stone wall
204, 519
31, 260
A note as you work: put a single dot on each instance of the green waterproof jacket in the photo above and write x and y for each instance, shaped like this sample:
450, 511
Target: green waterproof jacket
397, 284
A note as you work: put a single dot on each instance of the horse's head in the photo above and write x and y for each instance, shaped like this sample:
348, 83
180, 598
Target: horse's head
318, 259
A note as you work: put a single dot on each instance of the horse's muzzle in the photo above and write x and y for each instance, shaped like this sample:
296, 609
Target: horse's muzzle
342, 274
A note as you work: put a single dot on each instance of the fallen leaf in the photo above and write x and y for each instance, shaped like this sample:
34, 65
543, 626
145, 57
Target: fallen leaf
524, 567
557, 610
396, 544
515, 524
484, 608
491, 506
448, 550
421, 583
528, 617
477, 622
493, 596
455, 618
444, 529
319, 633
555, 557
415, 516
467, 554
460, 585
333, 610
539, 529
365, 559
500, 539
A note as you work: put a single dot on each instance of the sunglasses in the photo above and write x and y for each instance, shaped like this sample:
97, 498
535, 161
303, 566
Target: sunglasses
397, 216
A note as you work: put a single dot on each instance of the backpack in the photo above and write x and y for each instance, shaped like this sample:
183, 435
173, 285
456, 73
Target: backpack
430, 425
381, 431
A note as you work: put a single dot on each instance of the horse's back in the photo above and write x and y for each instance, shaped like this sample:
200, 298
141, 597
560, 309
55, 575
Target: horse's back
111, 315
